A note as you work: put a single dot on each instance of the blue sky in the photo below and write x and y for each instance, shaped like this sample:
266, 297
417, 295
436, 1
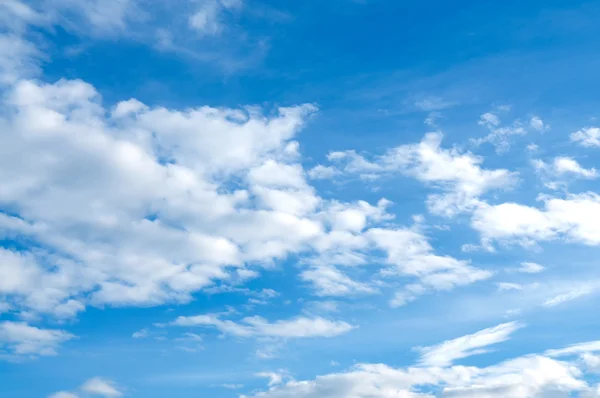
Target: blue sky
345, 198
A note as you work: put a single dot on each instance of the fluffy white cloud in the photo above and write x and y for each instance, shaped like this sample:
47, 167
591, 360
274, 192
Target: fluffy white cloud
446, 353
531, 268
256, 326
22, 340
587, 137
575, 218
560, 169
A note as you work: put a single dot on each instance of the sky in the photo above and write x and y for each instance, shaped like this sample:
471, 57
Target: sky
308, 199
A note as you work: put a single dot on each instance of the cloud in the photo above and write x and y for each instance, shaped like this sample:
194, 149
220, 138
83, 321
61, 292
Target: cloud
97, 387
575, 349
275, 378
446, 353
330, 281
458, 175
410, 254
499, 136
529, 376
574, 218
561, 168
587, 137
256, 326
531, 268
537, 123
524, 377
141, 334
433, 104
569, 296
23, 340
101, 387
321, 172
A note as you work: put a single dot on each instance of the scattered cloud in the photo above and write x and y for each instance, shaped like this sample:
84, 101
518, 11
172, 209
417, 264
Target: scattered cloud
499, 136
457, 174
587, 137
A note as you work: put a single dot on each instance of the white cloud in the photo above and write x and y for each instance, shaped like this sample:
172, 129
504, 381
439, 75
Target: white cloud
575, 349
458, 175
410, 254
256, 326
529, 376
587, 137
275, 378
330, 281
575, 218
538, 124
22, 340
499, 136
446, 353
560, 168
569, 296
321, 172
524, 377
101, 387
531, 268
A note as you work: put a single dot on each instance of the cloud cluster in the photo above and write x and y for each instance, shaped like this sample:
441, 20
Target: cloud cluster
529, 376
457, 174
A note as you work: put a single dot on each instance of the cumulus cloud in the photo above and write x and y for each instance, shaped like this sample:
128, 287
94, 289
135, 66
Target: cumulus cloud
574, 218
22, 340
561, 169
587, 137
